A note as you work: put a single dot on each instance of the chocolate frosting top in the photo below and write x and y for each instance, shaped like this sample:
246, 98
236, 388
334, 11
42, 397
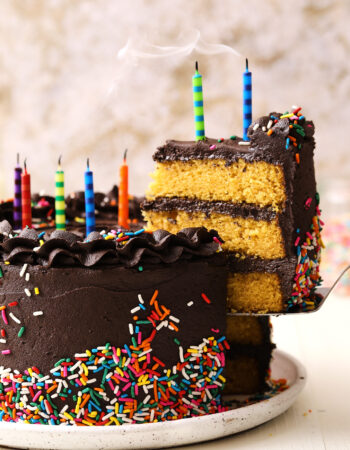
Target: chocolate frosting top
262, 147
63, 248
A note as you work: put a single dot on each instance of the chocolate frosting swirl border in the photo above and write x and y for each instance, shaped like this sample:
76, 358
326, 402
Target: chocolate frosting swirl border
62, 249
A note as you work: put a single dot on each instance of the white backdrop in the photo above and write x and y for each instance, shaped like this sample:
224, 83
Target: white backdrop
63, 88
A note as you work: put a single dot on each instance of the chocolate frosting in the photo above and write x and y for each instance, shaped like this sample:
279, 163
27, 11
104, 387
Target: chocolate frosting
87, 307
63, 248
262, 147
244, 210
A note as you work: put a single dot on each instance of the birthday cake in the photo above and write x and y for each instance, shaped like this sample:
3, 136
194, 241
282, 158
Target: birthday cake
121, 328
126, 325
130, 326
106, 332
261, 197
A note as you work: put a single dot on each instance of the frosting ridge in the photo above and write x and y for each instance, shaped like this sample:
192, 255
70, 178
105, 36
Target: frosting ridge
64, 248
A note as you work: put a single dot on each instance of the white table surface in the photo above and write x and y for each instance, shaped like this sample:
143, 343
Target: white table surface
321, 342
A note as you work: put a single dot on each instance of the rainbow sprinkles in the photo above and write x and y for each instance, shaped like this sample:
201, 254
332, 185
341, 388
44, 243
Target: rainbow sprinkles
113, 386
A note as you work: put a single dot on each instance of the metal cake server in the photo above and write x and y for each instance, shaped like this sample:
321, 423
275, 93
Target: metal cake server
321, 296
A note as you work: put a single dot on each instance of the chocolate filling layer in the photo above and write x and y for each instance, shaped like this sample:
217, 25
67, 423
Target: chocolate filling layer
190, 205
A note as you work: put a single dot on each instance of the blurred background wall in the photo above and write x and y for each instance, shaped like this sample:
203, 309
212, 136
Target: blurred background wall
63, 89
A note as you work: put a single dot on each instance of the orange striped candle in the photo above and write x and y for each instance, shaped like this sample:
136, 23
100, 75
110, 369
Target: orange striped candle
123, 195
26, 198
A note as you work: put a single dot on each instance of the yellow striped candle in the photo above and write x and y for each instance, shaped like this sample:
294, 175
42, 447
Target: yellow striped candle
60, 206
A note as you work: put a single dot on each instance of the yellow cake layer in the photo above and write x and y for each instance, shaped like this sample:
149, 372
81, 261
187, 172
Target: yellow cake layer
244, 330
242, 375
258, 183
254, 292
244, 236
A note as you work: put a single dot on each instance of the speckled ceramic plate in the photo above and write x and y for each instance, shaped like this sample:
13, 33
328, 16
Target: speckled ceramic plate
165, 434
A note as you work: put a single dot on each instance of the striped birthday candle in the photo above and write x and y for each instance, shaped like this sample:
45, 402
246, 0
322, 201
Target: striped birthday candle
17, 197
247, 101
60, 207
89, 200
198, 105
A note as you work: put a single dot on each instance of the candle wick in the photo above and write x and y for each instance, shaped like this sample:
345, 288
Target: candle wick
196, 66
124, 157
88, 163
59, 161
246, 64
25, 164
17, 159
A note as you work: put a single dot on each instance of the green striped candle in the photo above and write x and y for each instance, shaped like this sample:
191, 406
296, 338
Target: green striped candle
198, 105
59, 198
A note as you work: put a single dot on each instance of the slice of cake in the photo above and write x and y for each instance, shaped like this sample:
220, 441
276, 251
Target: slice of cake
120, 328
249, 356
260, 196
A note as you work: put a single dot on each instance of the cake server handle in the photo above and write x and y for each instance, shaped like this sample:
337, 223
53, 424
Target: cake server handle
322, 292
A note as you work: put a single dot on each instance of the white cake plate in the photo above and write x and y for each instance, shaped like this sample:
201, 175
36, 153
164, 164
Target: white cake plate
164, 434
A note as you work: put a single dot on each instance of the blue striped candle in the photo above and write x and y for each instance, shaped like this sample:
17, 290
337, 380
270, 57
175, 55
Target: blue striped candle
198, 105
247, 101
89, 200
